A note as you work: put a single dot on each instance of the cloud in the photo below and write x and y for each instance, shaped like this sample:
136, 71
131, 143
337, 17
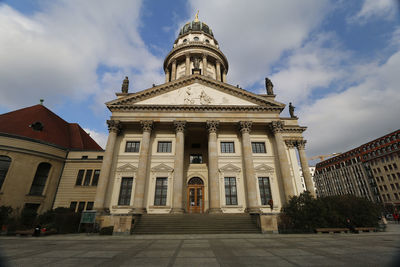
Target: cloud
99, 137
67, 50
375, 8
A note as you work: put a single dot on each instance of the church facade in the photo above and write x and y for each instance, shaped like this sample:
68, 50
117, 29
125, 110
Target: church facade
196, 144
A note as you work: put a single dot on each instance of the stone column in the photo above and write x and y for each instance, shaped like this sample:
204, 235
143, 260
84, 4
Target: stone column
218, 70
138, 202
204, 64
301, 144
173, 72
277, 128
114, 127
187, 64
224, 76
167, 75
213, 179
249, 175
178, 166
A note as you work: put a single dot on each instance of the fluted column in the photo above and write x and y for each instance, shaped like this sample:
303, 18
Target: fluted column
173, 71
187, 64
167, 75
277, 127
114, 127
178, 166
204, 64
304, 166
249, 175
138, 202
224, 76
218, 70
213, 182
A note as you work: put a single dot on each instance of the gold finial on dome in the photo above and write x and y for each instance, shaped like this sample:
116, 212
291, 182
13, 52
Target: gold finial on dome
196, 17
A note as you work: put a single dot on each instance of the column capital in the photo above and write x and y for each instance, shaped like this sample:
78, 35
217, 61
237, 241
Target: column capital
204, 55
245, 126
301, 144
276, 126
290, 143
212, 126
147, 126
187, 54
114, 126
179, 126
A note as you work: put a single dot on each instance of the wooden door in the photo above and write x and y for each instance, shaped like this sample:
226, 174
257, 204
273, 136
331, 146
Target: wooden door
195, 197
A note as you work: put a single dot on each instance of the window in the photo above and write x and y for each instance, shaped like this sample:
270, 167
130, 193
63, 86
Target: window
95, 179
184, 40
258, 147
164, 147
72, 206
392, 186
196, 39
4, 166
81, 206
207, 41
395, 166
39, 181
386, 169
227, 147
79, 178
125, 191
132, 146
85, 157
160, 198
230, 191
89, 205
196, 159
88, 175
265, 190
32, 207
99, 157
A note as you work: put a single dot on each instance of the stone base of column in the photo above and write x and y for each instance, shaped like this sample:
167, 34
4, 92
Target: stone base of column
214, 211
138, 211
177, 211
253, 210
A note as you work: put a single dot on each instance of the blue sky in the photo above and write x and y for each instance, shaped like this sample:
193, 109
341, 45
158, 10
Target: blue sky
337, 61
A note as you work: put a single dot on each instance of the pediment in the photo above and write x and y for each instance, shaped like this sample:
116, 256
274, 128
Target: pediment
264, 168
162, 168
127, 168
195, 91
229, 168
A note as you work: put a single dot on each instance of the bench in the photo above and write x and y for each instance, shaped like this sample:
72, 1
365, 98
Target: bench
332, 230
365, 229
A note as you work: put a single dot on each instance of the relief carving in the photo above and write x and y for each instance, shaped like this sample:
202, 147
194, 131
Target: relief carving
245, 126
276, 126
212, 126
146, 125
179, 126
114, 126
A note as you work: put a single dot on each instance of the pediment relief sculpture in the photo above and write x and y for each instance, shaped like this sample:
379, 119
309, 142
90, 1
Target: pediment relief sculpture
162, 168
264, 168
127, 168
229, 168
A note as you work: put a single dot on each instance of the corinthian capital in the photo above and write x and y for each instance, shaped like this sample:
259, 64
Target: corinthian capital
276, 126
146, 125
212, 126
245, 126
290, 143
179, 126
114, 126
301, 144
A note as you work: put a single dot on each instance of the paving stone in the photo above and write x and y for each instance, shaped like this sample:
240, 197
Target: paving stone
194, 262
289, 251
313, 261
99, 254
264, 261
59, 253
156, 253
189, 252
257, 252
145, 262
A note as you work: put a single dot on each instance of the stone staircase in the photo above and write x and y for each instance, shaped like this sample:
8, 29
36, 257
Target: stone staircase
196, 224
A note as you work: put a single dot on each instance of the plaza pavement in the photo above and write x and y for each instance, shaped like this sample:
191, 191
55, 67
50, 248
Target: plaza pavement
365, 249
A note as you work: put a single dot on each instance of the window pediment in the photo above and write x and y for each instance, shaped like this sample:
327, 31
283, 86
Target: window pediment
127, 168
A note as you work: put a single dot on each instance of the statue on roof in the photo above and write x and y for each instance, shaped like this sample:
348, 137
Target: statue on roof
125, 85
196, 17
291, 111
269, 86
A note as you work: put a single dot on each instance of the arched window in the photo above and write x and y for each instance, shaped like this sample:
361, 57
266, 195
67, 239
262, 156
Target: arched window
196, 180
40, 179
207, 41
184, 40
196, 39
4, 165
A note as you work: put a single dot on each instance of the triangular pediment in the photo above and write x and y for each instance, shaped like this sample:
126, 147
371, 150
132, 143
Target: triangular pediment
127, 168
229, 168
195, 91
162, 168
264, 168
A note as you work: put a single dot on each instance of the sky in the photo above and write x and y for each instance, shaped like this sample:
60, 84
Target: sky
338, 61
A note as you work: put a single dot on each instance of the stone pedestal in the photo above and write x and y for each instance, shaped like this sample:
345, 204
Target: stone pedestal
269, 223
122, 224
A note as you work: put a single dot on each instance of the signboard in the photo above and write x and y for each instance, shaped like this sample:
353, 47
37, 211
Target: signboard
88, 216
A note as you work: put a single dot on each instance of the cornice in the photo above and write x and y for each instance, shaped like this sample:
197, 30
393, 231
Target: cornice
294, 129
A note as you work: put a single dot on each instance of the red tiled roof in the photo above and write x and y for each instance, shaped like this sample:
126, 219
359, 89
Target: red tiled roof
55, 130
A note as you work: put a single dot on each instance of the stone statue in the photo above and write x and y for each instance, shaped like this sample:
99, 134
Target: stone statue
269, 86
125, 85
291, 110
196, 63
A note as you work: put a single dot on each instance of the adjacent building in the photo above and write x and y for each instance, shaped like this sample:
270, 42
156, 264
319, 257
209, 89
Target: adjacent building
370, 170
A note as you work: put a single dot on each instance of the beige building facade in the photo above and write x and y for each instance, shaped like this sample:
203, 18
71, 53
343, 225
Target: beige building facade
197, 144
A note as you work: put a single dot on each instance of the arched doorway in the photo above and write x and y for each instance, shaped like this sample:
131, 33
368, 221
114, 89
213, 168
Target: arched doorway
195, 195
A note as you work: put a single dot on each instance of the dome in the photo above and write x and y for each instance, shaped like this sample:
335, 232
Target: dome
196, 26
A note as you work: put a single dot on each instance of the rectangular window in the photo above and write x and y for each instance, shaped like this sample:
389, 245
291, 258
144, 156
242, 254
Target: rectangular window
258, 147
79, 178
265, 190
227, 147
160, 198
72, 206
81, 206
196, 159
89, 205
164, 147
230, 191
88, 175
132, 146
95, 179
395, 166
125, 191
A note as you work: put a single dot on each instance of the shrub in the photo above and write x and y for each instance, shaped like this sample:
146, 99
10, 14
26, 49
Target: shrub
107, 230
